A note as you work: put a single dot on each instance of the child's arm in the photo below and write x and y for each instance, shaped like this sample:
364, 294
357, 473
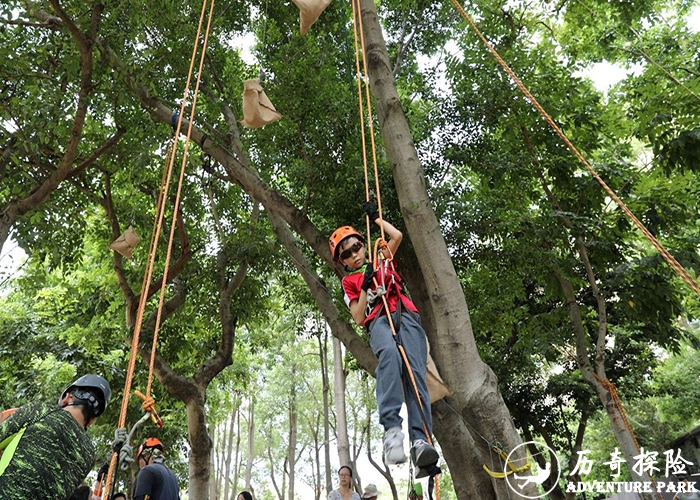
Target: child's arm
358, 308
394, 235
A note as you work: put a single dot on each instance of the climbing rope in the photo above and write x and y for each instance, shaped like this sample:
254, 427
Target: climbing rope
382, 254
357, 15
680, 270
149, 403
625, 424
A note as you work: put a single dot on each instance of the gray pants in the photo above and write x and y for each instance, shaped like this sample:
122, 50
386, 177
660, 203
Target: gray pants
393, 383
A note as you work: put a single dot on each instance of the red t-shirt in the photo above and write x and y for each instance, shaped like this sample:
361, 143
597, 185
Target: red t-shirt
352, 287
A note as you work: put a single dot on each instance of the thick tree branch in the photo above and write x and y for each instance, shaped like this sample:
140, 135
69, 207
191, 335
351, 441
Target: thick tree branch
97, 153
45, 17
128, 293
341, 328
19, 22
18, 207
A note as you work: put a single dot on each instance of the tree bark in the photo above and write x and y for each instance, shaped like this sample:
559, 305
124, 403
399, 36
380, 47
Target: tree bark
293, 429
251, 443
323, 348
229, 451
341, 425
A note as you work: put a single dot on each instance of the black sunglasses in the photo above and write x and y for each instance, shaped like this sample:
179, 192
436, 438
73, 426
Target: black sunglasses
347, 253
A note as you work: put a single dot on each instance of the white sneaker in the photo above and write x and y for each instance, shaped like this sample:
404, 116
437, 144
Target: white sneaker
423, 454
393, 446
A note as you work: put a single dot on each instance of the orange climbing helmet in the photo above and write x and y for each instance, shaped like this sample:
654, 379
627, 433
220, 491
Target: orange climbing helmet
339, 235
149, 444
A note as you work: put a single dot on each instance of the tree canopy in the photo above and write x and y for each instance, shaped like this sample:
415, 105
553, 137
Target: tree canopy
564, 294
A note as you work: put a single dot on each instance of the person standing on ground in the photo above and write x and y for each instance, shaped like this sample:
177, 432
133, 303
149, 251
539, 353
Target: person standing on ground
47, 450
690, 490
370, 492
344, 491
155, 481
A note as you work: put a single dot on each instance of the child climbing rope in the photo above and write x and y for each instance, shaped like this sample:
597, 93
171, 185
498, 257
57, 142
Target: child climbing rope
363, 288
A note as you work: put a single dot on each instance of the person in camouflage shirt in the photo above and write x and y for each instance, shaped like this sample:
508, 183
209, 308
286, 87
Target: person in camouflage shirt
54, 453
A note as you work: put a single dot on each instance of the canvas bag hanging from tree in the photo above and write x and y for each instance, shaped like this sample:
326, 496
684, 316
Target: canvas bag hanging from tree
309, 12
126, 243
257, 108
437, 388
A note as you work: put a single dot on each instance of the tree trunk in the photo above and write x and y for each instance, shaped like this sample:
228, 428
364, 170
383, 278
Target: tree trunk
341, 425
476, 396
199, 465
326, 412
595, 376
293, 429
237, 456
214, 480
451, 432
229, 451
251, 443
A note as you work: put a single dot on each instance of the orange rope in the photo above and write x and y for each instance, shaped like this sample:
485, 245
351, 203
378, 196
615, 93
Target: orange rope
358, 15
617, 403
362, 119
371, 122
163, 196
381, 245
682, 272
179, 185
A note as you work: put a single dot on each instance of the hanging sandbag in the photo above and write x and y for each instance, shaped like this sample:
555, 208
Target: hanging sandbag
436, 386
126, 243
310, 11
257, 108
